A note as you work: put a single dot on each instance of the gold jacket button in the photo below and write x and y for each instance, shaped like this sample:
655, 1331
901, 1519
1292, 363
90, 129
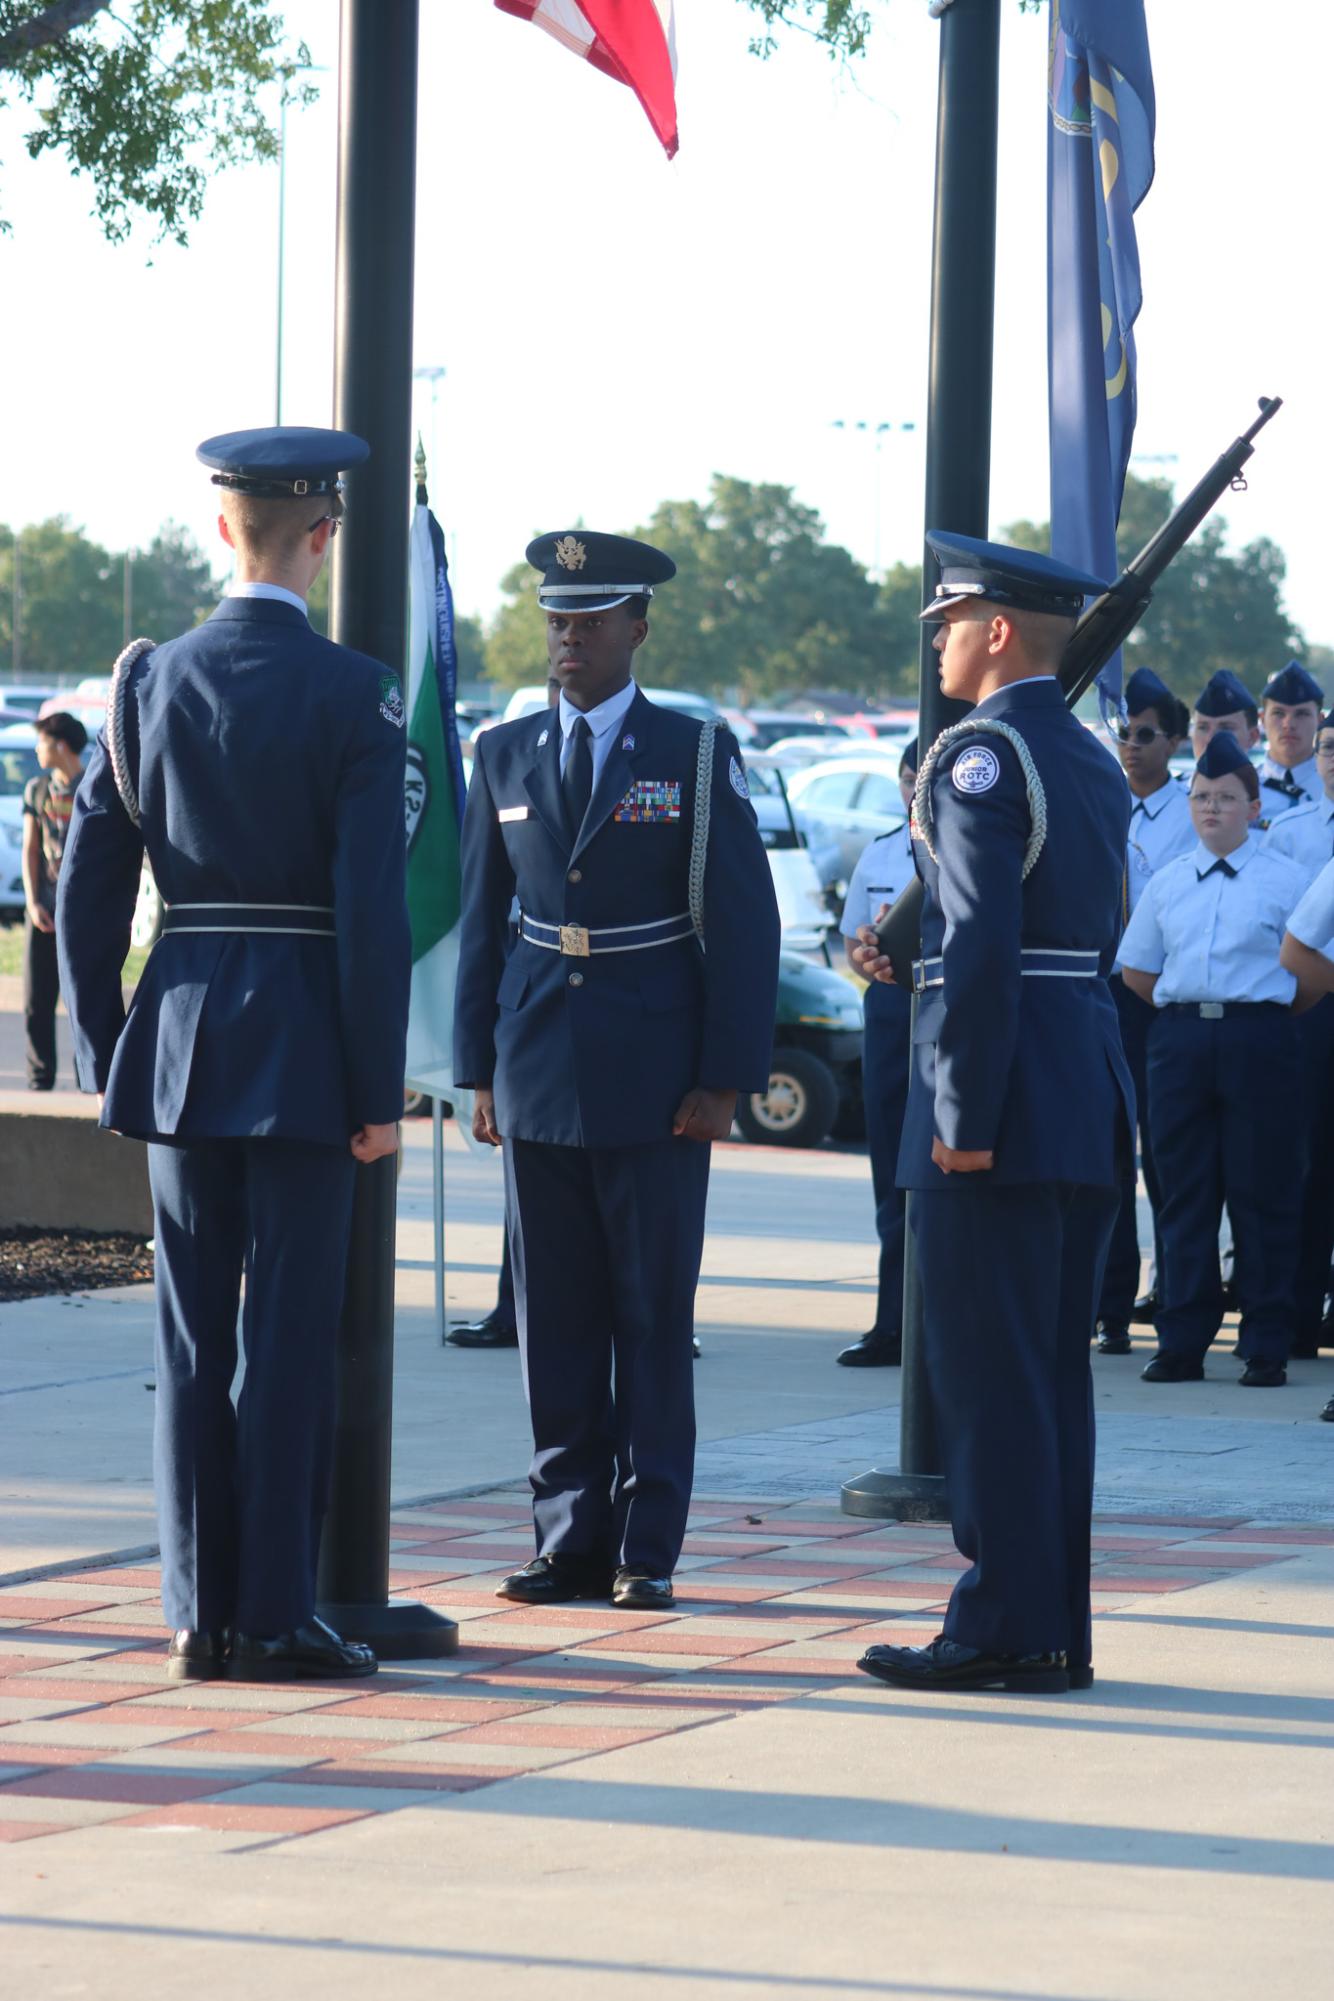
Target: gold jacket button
575, 875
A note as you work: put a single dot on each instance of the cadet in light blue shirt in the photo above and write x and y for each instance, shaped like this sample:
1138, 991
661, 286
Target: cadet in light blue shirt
1290, 712
884, 870
1160, 829
1306, 833
1225, 1076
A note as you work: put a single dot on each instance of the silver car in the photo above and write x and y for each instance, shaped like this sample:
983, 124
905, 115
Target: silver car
844, 802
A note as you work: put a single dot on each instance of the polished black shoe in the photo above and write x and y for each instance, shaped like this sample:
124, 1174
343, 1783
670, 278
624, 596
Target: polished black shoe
1113, 1340
1327, 1414
1304, 1351
488, 1333
556, 1579
1145, 1309
636, 1590
946, 1664
1080, 1673
195, 1656
695, 1348
873, 1351
1263, 1376
313, 1652
1172, 1369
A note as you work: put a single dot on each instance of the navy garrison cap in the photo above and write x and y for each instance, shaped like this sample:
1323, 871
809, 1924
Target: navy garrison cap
282, 460
1222, 756
1145, 691
582, 571
1225, 695
909, 755
1292, 684
1017, 577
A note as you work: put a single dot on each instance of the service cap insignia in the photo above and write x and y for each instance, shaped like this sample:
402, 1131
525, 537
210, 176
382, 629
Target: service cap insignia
571, 553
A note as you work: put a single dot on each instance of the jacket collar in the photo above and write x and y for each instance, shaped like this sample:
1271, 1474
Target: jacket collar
1042, 692
260, 611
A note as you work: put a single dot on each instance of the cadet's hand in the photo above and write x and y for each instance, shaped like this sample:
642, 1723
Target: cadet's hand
42, 920
374, 1142
867, 956
484, 1117
952, 1160
704, 1115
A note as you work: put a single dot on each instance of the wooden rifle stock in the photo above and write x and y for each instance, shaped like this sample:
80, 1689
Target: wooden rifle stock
1104, 625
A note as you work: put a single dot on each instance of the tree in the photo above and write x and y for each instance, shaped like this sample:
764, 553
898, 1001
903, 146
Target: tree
71, 596
842, 25
150, 100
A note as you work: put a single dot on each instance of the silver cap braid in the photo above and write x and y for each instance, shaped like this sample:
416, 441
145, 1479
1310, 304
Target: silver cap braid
1037, 798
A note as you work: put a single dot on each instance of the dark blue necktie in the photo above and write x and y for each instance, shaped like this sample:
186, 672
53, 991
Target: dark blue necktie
1226, 867
577, 778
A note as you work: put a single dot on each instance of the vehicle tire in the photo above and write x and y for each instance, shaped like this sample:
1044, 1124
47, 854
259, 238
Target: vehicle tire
146, 923
799, 1107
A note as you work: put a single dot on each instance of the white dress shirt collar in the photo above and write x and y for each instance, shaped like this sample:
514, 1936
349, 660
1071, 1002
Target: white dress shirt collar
601, 720
278, 592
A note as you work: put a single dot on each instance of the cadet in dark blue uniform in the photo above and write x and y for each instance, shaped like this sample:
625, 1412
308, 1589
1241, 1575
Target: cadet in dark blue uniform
1227, 1098
883, 872
1019, 1110
1160, 829
261, 769
607, 1049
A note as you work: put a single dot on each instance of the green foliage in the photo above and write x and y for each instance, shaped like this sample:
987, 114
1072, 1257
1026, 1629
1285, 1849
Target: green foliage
516, 645
72, 596
840, 24
151, 100
1211, 609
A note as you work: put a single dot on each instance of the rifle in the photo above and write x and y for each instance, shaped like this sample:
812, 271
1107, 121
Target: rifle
1103, 626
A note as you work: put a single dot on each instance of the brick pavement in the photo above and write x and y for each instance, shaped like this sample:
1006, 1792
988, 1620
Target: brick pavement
772, 1601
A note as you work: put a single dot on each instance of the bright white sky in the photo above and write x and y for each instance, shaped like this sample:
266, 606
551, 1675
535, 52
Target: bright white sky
616, 329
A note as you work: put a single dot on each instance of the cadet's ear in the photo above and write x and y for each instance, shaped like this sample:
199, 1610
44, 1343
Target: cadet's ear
1253, 809
1001, 634
225, 531
638, 633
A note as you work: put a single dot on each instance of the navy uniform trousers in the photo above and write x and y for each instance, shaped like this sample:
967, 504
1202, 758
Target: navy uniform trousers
241, 1493
606, 1244
1226, 1101
885, 1070
1316, 1032
1037, 1250
1120, 1287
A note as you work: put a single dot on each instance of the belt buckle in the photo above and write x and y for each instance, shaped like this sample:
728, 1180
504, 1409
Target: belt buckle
574, 941
1211, 1010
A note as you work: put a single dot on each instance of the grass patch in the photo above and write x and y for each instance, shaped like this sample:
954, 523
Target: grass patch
11, 956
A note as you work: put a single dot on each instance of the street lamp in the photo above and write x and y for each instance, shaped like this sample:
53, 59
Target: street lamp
876, 432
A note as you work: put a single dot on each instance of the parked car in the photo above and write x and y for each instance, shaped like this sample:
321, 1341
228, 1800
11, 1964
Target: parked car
22, 701
18, 763
770, 725
526, 701
815, 1073
844, 802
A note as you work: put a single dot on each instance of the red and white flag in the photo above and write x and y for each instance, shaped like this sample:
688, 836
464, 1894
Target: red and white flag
632, 40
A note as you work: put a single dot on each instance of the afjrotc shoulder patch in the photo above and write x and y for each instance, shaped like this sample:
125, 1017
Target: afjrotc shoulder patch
975, 770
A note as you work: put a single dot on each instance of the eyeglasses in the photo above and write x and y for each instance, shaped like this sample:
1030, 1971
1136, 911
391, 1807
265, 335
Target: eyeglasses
336, 519
1143, 734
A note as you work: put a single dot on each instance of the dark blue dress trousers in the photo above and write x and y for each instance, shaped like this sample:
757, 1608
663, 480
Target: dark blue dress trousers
886, 1054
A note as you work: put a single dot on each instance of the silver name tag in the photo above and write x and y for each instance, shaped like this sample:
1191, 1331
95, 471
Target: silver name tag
513, 813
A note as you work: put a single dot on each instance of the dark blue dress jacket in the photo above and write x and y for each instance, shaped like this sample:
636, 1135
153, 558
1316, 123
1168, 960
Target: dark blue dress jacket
599, 1051
1030, 1068
270, 770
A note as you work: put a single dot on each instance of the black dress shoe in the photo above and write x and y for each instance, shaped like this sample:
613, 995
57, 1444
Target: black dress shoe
556, 1579
695, 1348
637, 1590
1304, 1351
488, 1333
1328, 1412
313, 1652
1113, 1340
946, 1664
1145, 1309
873, 1351
1165, 1368
1263, 1376
195, 1656
1080, 1673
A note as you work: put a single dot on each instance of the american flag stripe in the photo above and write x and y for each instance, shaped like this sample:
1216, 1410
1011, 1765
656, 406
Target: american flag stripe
633, 41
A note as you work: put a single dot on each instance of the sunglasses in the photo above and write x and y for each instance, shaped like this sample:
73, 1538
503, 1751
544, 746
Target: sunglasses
1142, 734
336, 519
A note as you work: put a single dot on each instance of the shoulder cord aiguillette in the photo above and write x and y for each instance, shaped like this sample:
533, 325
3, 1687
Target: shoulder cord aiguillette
699, 833
120, 688
1037, 798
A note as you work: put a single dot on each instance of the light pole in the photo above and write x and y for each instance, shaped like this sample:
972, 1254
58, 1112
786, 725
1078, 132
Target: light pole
877, 433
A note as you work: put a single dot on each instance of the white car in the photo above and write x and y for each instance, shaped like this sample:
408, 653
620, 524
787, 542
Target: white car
846, 801
526, 702
18, 763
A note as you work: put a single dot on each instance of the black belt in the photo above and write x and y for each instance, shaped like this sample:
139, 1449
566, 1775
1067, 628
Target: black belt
1217, 1010
285, 920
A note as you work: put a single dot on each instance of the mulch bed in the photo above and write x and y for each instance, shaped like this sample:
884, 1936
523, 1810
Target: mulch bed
34, 1262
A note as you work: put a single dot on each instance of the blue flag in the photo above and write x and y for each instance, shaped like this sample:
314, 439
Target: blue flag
1099, 167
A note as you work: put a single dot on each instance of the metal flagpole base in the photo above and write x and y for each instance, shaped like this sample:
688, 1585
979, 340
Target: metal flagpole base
397, 1632
897, 1497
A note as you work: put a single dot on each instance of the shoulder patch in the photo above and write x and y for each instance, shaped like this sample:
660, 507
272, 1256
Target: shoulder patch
391, 701
738, 778
975, 770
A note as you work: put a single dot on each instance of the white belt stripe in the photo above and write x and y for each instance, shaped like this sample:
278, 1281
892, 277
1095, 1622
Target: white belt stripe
607, 930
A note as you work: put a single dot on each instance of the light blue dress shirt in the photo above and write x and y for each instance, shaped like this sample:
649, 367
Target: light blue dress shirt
602, 721
1160, 830
884, 870
1211, 936
1312, 922
1274, 801
1305, 836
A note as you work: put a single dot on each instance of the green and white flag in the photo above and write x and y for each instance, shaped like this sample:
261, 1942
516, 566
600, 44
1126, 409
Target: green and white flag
433, 803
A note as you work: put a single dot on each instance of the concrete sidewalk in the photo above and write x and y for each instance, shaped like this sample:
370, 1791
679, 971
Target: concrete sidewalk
588, 1803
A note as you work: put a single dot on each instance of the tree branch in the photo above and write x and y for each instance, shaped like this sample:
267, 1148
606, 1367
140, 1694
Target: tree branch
52, 24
